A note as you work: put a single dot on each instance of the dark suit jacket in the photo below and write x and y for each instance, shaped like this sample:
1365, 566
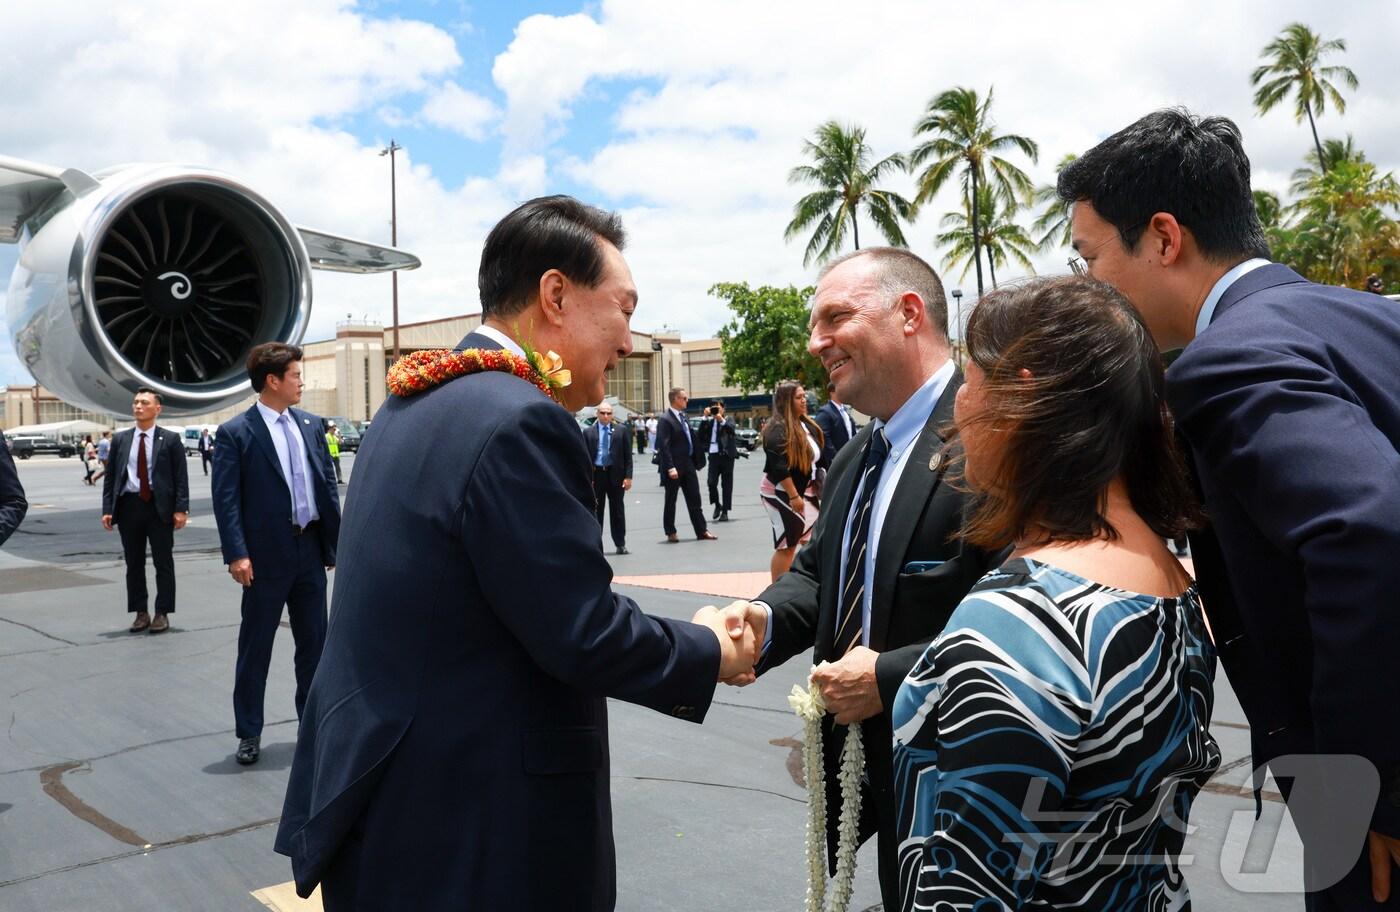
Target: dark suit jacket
1290, 401
907, 610
728, 444
252, 502
828, 418
170, 480
671, 447
621, 466
453, 750
13, 506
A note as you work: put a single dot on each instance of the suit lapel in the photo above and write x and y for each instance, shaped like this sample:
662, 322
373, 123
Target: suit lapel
308, 438
258, 427
478, 340
922, 472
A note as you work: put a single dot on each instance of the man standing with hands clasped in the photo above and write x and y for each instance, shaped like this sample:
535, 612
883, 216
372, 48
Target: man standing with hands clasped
612, 471
883, 571
278, 511
146, 495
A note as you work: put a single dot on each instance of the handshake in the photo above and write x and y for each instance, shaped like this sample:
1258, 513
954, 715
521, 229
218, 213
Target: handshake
740, 629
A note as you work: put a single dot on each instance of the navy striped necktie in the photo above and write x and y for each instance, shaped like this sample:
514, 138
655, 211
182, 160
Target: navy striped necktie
850, 621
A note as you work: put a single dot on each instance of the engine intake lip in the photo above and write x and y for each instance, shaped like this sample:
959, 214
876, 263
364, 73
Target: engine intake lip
277, 246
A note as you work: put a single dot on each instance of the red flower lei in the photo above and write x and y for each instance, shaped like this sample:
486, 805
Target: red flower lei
422, 370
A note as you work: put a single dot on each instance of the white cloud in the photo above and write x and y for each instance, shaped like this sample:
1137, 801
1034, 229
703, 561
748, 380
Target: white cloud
715, 100
464, 113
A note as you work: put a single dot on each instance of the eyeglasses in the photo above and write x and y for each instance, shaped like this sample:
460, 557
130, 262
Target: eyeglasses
1081, 268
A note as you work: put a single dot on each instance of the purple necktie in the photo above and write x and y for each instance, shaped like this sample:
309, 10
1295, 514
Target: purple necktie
301, 509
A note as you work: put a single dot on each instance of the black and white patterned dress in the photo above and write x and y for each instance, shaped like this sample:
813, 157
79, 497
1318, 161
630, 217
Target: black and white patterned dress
1048, 746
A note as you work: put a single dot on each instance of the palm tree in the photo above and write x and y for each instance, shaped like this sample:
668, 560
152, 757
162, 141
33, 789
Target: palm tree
1334, 152
1294, 68
1001, 238
1269, 209
964, 140
1053, 224
848, 183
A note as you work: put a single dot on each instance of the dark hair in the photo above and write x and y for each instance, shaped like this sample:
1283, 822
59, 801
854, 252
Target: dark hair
901, 271
675, 391
1172, 161
777, 436
146, 389
551, 232
271, 359
1092, 409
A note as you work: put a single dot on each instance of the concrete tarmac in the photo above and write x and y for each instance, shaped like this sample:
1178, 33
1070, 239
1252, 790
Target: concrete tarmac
118, 788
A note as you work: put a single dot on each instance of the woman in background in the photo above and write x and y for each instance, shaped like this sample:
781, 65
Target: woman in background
792, 473
1049, 743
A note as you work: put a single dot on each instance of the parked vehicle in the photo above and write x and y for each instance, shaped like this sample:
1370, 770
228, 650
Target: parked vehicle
26, 445
191, 437
349, 434
747, 437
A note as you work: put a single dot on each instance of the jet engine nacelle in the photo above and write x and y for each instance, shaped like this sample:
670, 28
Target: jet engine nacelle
157, 275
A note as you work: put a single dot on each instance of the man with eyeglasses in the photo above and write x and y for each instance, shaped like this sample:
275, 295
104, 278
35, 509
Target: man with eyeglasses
1288, 397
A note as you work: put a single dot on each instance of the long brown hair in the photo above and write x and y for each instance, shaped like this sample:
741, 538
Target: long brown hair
1092, 409
787, 421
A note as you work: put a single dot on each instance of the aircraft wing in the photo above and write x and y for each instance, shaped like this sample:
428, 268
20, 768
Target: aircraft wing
341, 254
26, 187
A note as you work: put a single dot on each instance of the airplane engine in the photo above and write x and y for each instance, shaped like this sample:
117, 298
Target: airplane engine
157, 275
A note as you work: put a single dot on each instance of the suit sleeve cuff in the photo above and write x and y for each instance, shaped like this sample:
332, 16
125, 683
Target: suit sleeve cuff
767, 628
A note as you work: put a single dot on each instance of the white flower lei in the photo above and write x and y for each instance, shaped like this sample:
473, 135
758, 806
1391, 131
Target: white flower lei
810, 707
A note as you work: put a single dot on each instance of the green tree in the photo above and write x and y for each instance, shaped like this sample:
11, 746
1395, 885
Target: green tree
847, 184
1269, 208
1001, 239
1053, 224
766, 341
964, 141
1294, 66
1334, 152
1351, 207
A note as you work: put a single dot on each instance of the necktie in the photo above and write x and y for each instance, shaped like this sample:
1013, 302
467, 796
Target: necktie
850, 620
141, 470
685, 426
605, 446
301, 509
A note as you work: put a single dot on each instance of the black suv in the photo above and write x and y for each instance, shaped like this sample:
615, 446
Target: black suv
26, 445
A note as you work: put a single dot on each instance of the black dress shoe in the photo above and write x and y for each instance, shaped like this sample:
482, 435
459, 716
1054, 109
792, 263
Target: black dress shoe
622, 549
673, 539
718, 514
723, 517
248, 750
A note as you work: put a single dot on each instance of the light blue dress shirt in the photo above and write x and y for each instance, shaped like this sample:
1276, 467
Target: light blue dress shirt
279, 443
1221, 285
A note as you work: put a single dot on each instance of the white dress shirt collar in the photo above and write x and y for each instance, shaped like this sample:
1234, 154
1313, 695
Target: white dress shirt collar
504, 340
1222, 285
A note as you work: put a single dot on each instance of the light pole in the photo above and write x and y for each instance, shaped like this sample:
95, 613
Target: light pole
957, 303
393, 231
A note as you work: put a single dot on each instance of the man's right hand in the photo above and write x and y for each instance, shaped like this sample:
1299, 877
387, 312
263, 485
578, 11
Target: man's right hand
242, 571
737, 644
755, 618
107, 521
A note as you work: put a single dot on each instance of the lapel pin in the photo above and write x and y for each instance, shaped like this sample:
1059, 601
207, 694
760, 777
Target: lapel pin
306, 421
935, 461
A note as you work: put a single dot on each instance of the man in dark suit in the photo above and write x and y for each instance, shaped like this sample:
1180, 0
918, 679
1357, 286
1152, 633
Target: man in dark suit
146, 495
611, 452
718, 442
278, 510
454, 750
1288, 397
679, 457
206, 448
879, 324
836, 423
13, 506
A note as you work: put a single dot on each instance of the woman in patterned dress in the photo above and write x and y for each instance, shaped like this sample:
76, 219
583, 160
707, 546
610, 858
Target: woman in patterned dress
1050, 741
